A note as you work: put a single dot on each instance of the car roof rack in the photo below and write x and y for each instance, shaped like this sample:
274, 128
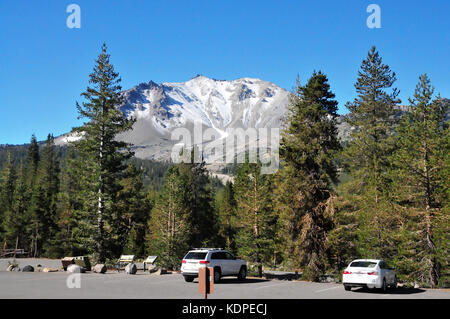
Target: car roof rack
204, 248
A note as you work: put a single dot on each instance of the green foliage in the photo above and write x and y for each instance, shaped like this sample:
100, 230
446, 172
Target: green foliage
255, 238
420, 180
169, 226
102, 154
372, 113
308, 147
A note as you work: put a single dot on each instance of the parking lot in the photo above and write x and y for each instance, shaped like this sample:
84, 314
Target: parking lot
173, 286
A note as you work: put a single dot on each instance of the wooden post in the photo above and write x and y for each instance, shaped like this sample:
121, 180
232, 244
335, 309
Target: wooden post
205, 281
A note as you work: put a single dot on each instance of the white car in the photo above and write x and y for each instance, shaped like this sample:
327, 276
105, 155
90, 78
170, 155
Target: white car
222, 261
370, 273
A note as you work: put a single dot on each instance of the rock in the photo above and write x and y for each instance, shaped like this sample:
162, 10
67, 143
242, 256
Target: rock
28, 268
161, 271
13, 268
400, 285
100, 268
131, 269
75, 269
153, 268
416, 286
49, 269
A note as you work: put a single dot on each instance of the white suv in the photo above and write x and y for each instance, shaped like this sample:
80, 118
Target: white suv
223, 262
370, 273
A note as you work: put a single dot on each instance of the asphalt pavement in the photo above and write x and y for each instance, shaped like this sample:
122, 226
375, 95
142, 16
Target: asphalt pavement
172, 286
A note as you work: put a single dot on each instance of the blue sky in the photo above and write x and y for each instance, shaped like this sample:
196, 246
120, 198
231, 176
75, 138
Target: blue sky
44, 65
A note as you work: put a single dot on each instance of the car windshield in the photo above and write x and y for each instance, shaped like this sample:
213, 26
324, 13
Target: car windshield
195, 255
364, 264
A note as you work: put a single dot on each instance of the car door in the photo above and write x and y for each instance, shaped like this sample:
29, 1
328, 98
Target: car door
385, 272
389, 274
233, 265
220, 260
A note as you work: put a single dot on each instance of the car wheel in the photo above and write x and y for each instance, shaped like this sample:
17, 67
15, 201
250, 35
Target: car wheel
189, 278
384, 286
347, 288
217, 275
242, 273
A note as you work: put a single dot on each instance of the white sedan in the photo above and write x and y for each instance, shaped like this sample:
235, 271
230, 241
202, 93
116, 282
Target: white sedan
370, 273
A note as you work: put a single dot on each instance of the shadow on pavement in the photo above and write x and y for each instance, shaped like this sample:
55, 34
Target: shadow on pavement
397, 291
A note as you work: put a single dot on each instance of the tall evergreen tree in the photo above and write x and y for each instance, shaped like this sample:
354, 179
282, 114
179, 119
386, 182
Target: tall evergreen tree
226, 206
7, 188
32, 161
420, 173
43, 205
200, 203
169, 225
255, 238
372, 113
307, 150
103, 156
131, 216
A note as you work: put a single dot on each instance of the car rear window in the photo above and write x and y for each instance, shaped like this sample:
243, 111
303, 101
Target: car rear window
195, 255
364, 264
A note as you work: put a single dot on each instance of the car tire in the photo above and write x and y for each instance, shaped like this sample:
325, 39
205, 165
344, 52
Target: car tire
347, 288
189, 278
217, 275
384, 286
242, 273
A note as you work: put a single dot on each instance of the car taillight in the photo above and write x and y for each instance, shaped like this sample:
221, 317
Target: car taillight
183, 261
373, 273
346, 272
204, 262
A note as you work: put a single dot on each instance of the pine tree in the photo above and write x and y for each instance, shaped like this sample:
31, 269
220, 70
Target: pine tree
103, 156
31, 163
169, 225
7, 187
201, 213
42, 212
304, 186
419, 171
131, 214
372, 113
68, 203
257, 222
226, 207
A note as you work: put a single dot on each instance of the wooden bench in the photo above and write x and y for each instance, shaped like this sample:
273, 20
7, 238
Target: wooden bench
124, 260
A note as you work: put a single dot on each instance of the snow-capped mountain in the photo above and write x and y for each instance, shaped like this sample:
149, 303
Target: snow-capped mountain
217, 104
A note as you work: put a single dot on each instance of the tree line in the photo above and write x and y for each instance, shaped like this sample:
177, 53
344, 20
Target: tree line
381, 194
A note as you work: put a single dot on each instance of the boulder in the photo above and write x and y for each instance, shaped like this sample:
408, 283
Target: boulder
100, 268
28, 268
49, 269
152, 269
161, 271
416, 286
13, 268
75, 269
131, 269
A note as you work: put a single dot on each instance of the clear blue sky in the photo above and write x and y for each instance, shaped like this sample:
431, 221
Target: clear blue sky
44, 65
